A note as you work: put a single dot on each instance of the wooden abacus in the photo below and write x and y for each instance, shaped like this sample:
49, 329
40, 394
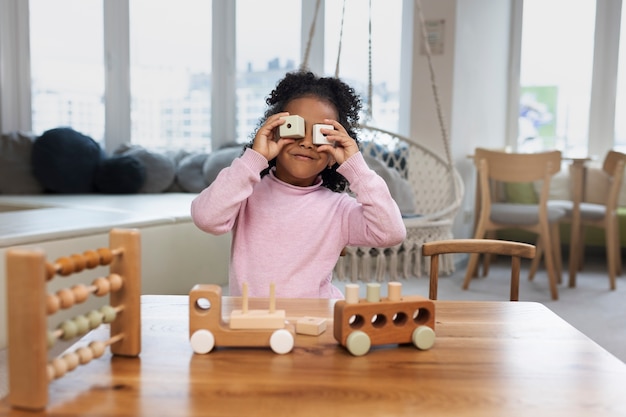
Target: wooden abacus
30, 304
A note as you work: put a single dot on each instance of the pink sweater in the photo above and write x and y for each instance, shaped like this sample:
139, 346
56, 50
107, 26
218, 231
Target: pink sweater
291, 235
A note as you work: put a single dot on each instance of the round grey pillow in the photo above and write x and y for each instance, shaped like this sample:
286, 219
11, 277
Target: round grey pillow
16, 174
189, 173
160, 169
219, 160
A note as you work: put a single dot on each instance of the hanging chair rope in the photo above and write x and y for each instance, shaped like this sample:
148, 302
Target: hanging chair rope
307, 52
343, 13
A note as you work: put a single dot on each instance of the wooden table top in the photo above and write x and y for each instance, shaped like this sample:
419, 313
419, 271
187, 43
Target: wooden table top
489, 359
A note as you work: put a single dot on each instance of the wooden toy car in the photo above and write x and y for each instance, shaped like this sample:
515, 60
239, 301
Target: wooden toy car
246, 328
361, 323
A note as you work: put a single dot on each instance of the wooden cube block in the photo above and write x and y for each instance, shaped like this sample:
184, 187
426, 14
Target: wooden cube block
312, 326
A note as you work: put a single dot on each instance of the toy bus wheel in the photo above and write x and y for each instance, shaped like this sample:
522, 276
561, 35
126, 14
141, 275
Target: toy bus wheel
281, 341
423, 337
202, 341
358, 343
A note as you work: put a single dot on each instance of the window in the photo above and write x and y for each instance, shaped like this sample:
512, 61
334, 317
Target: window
170, 67
67, 66
354, 59
555, 75
268, 46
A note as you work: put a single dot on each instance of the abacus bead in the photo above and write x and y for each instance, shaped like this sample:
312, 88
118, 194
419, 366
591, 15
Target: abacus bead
106, 256
50, 372
81, 293
66, 266
116, 282
109, 313
92, 259
53, 303
95, 318
60, 367
66, 297
85, 355
79, 262
69, 329
97, 348
52, 338
82, 324
103, 286
72, 360
51, 271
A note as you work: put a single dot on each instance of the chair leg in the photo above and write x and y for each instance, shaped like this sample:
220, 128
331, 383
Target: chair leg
534, 265
611, 251
556, 243
471, 267
550, 263
515, 269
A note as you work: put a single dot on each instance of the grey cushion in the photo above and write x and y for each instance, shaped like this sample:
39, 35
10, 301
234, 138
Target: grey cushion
16, 175
399, 188
219, 160
522, 214
160, 168
189, 173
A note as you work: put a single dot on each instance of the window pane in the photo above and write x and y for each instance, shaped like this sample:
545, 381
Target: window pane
354, 61
67, 66
268, 46
170, 55
555, 75
620, 106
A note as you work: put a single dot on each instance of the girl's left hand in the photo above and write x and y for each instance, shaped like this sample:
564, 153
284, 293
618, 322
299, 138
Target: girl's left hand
344, 147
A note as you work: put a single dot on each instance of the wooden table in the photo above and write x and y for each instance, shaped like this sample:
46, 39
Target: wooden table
489, 359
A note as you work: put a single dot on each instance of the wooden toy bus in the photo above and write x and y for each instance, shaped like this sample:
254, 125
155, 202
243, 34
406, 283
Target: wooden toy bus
362, 323
246, 328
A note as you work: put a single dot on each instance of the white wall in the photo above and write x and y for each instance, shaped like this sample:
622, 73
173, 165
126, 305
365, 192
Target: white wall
471, 78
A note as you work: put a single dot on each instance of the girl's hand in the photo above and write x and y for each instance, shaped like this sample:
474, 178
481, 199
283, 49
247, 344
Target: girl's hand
344, 147
265, 141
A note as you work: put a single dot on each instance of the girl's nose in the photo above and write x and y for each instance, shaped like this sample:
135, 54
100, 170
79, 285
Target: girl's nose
307, 141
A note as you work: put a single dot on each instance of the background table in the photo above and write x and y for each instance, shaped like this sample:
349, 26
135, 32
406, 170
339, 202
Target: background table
489, 359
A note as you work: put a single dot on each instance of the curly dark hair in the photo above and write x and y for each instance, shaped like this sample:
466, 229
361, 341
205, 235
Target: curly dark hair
303, 83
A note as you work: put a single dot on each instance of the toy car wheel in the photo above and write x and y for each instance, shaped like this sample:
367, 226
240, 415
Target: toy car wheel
202, 341
423, 337
358, 343
281, 341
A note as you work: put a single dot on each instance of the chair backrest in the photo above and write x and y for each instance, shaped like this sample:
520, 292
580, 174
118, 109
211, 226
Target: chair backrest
495, 167
516, 250
30, 306
614, 167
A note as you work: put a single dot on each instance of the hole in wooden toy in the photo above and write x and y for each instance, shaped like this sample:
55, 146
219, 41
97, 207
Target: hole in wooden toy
203, 304
356, 321
399, 319
421, 315
379, 320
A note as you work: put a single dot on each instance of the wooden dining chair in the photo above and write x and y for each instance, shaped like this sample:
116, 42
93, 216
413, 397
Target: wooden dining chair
516, 250
598, 208
31, 307
496, 168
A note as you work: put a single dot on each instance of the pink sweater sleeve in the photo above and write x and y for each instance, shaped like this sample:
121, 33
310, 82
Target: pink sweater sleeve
377, 220
215, 209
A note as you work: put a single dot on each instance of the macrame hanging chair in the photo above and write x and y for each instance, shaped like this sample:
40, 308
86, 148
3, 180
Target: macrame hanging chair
419, 175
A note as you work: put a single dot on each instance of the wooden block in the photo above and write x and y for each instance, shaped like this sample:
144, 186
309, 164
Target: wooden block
313, 326
257, 319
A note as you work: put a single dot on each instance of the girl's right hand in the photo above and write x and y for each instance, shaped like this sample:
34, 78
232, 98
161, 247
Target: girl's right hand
266, 142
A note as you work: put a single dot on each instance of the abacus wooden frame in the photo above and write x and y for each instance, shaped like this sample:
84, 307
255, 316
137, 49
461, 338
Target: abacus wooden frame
27, 279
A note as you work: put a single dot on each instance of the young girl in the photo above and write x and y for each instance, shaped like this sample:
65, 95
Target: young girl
284, 200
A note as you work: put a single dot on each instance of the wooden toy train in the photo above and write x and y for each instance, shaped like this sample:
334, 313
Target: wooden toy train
361, 323
358, 323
